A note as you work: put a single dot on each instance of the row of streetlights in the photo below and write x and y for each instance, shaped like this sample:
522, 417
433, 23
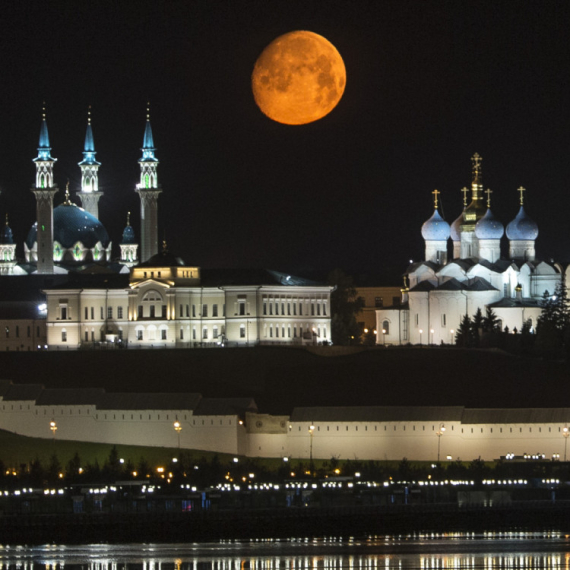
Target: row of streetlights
451, 333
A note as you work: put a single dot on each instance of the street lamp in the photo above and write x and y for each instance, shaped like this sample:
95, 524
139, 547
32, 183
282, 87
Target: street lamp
178, 429
53, 428
384, 337
439, 433
451, 331
311, 430
421, 331
565, 433
431, 331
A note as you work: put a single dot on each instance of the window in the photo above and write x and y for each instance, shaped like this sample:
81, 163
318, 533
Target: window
164, 311
288, 307
295, 330
163, 334
102, 315
187, 310
319, 308
181, 334
63, 313
139, 335
86, 336
324, 308
386, 327
214, 310
205, 333
242, 307
242, 331
86, 313
265, 307
17, 331
224, 310
119, 312
443, 320
204, 310
63, 336
140, 312
301, 309
92, 313
193, 310
120, 334
109, 312
294, 309
417, 319
378, 302
193, 333
313, 309
93, 335
181, 312
270, 308
215, 332
152, 311
270, 331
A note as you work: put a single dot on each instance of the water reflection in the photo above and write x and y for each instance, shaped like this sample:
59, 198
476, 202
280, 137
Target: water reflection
414, 552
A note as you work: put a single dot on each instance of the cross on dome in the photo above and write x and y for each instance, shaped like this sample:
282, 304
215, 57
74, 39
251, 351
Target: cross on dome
464, 190
435, 194
488, 192
521, 190
476, 159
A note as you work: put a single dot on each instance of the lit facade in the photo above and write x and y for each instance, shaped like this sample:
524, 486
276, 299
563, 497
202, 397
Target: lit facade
438, 292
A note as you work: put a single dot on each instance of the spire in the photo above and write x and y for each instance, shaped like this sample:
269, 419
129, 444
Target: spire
128, 219
89, 146
148, 141
67, 201
44, 148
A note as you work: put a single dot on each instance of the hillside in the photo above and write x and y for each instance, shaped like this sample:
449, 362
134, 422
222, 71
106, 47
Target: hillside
282, 378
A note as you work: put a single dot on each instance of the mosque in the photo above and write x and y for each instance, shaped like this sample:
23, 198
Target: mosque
440, 290
146, 297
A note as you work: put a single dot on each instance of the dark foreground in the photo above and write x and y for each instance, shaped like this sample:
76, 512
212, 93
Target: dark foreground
299, 522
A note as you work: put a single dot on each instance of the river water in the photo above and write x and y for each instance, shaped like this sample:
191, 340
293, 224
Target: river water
421, 551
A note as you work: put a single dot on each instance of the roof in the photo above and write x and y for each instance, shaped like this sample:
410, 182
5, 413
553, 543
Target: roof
225, 406
149, 401
378, 414
506, 302
249, 277
23, 392
423, 286
70, 397
516, 416
163, 259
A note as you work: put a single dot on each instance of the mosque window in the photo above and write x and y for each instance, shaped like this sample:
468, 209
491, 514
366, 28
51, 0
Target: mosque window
295, 331
270, 331
319, 308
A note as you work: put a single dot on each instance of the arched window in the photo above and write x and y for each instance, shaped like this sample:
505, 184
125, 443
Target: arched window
386, 327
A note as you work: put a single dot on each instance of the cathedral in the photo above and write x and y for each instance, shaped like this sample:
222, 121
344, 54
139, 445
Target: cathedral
464, 270
145, 298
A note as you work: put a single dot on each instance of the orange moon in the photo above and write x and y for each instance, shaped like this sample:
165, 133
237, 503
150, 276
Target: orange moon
298, 78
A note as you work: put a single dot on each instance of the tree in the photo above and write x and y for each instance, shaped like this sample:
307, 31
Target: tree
464, 335
477, 326
345, 305
491, 321
553, 326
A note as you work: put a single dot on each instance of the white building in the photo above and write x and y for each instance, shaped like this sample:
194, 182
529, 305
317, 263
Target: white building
440, 290
166, 304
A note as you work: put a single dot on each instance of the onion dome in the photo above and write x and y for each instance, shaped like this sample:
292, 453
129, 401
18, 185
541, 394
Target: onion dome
488, 227
522, 227
436, 228
72, 224
7, 238
128, 233
456, 228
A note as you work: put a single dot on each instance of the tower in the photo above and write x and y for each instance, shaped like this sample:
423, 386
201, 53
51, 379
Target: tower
148, 190
89, 194
44, 192
473, 213
7, 250
129, 245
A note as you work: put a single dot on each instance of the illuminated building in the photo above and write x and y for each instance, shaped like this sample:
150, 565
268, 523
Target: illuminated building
440, 290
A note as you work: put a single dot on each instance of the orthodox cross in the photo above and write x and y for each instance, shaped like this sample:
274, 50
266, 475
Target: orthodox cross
488, 192
477, 168
521, 190
436, 193
464, 190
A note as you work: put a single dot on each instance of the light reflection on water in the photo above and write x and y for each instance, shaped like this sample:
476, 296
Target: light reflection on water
519, 551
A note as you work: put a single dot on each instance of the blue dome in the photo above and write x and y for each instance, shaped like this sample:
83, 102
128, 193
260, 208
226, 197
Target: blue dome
72, 224
456, 228
522, 227
7, 237
436, 228
488, 227
129, 235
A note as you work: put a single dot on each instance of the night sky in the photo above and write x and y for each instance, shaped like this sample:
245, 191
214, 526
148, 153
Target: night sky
428, 85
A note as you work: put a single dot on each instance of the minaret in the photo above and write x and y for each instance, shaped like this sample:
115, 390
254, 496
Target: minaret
129, 245
148, 190
7, 250
473, 213
89, 194
44, 191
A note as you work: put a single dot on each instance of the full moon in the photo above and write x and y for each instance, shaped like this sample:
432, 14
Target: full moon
298, 78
